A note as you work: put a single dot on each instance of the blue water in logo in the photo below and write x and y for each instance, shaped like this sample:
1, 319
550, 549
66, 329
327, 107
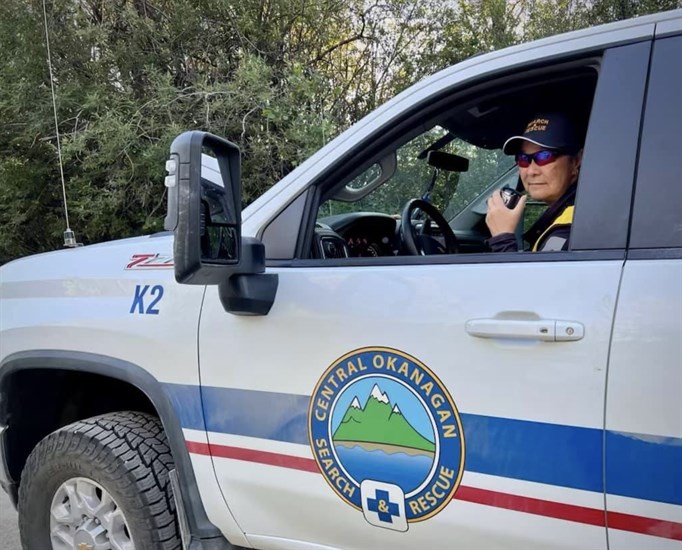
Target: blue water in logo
406, 471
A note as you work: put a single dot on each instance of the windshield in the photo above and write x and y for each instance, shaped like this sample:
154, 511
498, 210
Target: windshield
485, 167
412, 177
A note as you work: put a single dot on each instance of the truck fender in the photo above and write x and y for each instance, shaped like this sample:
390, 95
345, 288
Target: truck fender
124, 371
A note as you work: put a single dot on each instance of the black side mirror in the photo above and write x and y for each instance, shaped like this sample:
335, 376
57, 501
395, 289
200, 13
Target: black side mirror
204, 213
204, 207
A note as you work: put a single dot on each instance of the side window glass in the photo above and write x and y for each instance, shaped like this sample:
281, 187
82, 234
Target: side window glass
657, 215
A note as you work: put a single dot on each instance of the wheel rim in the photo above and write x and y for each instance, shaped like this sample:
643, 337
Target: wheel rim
84, 516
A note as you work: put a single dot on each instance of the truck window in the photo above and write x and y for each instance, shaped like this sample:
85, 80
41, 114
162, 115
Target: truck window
358, 195
469, 167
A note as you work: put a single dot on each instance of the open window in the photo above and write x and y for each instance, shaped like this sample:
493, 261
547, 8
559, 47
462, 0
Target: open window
448, 155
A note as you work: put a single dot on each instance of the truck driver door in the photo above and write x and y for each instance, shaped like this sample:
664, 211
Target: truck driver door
399, 401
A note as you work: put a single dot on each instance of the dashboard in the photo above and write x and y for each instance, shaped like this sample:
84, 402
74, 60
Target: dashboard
357, 234
371, 234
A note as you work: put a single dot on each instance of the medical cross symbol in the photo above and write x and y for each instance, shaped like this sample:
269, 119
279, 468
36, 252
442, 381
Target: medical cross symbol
383, 506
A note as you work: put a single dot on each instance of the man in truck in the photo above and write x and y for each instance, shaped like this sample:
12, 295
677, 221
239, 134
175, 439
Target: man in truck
548, 155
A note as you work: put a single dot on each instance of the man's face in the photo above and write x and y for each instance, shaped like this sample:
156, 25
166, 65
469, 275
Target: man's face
549, 182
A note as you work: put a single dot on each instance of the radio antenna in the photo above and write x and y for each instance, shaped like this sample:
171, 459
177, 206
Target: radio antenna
69, 235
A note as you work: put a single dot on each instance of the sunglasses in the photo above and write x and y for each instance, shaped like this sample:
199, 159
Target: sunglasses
541, 158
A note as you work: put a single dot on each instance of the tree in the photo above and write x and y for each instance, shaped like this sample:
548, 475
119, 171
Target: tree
279, 78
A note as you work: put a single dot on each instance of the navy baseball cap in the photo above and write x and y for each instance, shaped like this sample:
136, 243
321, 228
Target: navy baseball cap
549, 130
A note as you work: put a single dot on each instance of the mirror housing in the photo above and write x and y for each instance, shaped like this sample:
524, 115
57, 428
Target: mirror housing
204, 213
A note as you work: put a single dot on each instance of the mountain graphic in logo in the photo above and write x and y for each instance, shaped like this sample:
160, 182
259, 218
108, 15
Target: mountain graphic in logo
380, 425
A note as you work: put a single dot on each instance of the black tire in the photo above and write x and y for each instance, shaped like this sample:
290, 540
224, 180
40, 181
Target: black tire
127, 454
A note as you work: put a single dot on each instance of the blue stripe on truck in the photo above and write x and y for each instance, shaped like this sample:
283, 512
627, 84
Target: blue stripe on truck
638, 466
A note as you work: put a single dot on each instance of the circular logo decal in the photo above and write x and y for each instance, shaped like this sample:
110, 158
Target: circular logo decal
387, 436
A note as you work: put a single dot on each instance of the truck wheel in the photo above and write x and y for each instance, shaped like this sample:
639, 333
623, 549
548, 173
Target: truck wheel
100, 483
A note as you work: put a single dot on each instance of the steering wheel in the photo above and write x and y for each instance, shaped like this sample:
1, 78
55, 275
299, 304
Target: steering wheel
420, 243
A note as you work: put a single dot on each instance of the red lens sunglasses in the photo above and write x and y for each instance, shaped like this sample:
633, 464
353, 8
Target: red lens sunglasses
541, 158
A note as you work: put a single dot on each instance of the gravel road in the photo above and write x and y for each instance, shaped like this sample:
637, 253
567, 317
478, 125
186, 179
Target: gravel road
9, 531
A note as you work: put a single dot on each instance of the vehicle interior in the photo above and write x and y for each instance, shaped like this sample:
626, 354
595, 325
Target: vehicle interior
426, 192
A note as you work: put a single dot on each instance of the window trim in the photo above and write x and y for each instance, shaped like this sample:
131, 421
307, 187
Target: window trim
603, 209
654, 254
453, 259
654, 212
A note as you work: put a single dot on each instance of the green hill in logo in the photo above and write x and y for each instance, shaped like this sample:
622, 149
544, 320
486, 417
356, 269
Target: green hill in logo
378, 425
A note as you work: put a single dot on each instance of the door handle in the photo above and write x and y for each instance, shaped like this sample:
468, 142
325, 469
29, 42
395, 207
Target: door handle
546, 330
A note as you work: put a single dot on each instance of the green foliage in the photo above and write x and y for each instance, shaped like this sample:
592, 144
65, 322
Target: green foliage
278, 78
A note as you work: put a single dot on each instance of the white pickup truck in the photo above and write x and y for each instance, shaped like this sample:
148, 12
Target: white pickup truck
339, 366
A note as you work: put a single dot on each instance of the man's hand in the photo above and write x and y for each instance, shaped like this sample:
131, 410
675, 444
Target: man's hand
501, 219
